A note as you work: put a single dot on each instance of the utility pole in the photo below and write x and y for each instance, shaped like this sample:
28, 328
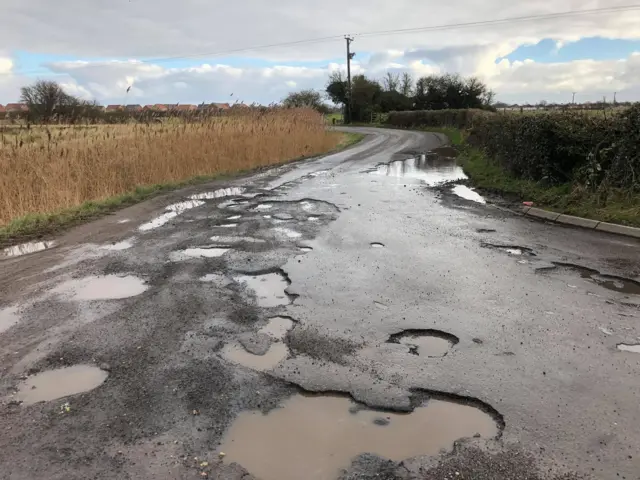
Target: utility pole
614, 98
350, 56
573, 99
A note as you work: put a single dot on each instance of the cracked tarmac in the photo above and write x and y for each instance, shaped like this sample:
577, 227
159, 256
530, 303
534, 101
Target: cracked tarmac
342, 296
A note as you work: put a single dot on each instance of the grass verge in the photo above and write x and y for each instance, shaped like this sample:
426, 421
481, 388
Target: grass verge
37, 225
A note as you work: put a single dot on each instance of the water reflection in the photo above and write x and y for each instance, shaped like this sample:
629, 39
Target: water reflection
431, 169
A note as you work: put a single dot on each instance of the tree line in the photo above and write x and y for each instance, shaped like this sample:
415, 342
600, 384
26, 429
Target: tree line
395, 92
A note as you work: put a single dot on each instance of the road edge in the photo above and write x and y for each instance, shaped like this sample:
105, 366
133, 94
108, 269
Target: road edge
581, 222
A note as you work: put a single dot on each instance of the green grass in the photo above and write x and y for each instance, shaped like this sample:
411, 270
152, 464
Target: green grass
40, 224
611, 206
328, 118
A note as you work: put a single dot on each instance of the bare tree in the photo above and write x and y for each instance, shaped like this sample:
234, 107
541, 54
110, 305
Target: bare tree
44, 97
391, 82
406, 84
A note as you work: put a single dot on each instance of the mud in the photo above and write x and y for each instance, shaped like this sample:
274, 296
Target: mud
56, 384
428, 343
315, 436
108, 287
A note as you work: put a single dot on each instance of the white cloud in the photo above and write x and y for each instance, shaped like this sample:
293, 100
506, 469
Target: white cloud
129, 29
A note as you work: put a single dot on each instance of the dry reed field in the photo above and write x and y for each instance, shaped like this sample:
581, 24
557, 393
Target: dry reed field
49, 168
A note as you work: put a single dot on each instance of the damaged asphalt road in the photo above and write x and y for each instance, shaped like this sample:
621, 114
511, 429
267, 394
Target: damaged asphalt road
346, 317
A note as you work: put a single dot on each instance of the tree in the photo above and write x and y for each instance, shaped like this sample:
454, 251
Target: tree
305, 98
337, 88
406, 84
438, 92
391, 82
366, 98
44, 97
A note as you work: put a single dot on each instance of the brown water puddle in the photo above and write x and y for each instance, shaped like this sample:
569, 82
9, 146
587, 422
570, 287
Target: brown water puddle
107, 287
63, 382
277, 327
312, 437
260, 363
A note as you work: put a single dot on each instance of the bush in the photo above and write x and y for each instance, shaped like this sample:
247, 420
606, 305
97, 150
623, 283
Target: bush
462, 118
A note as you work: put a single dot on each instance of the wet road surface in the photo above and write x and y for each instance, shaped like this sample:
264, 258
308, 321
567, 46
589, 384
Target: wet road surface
347, 317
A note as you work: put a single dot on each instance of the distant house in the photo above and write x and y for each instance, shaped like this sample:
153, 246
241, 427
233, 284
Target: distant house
114, 108
133, 108
220, 106
2, 110
185, 108
16, 107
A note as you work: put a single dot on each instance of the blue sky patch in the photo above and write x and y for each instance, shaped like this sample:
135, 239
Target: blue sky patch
594, 48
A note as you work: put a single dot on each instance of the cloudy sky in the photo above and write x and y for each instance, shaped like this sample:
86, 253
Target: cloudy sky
191, 51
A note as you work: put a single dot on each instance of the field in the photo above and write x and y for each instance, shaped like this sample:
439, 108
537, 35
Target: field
54, 173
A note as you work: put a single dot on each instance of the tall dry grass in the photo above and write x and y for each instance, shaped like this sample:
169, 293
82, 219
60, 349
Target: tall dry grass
44, 169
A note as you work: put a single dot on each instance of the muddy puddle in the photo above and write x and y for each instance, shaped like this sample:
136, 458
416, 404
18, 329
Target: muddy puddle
268, 288
313, 437
63, 382
277, 352
426, 343
467, 193
287, 232
202, 252
220, 193
107, 287
430, 169
26, 248
172, 211
118, 246
277, 327
623, 347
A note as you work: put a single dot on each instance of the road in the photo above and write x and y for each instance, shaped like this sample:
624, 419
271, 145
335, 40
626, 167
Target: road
284, 324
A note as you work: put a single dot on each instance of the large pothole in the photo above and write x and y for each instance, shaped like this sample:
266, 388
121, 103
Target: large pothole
55, 384
428, 343
315, 436
609, 282
432, 169
269, 288
106, 287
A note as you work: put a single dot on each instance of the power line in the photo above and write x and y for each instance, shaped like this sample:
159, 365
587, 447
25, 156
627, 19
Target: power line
449, 26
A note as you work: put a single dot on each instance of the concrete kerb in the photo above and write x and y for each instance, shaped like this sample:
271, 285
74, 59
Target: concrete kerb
581, 222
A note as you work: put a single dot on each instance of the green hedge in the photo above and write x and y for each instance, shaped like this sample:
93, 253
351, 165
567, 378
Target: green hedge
553, 148
462, 119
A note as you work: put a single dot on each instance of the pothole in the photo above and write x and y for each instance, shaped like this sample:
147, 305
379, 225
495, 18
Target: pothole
610, 282
629, 348
220, 193
201, 252
26, 248
467, 193
277, 327
118, 246
283, 216
263, 206
172, 211
63, 382
377, 245
226, 240
428, 343
234, 217
486, 230
315, 436
277, 352
287, 232
228, 225
305, 249
430, 169
515, 250
269, 288
107, 287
